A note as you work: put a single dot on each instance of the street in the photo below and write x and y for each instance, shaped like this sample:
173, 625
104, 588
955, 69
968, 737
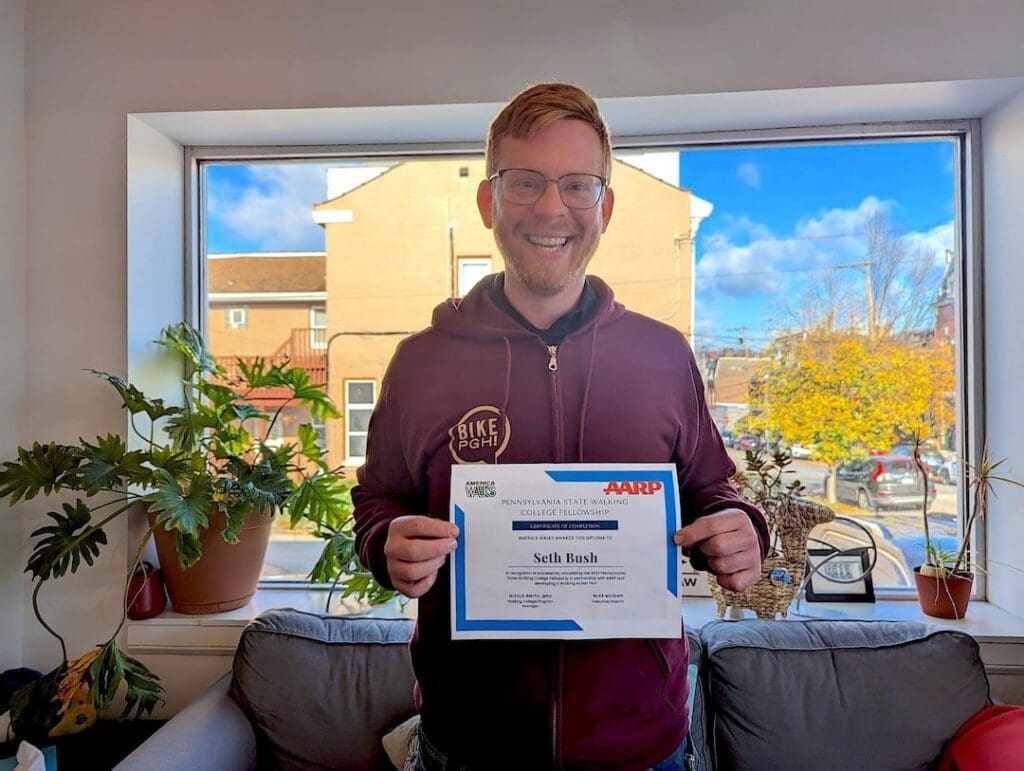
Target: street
903, 528
291, 554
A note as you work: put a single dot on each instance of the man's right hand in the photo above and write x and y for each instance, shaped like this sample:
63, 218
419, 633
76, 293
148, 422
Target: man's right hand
416, 549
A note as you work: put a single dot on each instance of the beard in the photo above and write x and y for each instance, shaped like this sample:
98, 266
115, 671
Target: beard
543, 275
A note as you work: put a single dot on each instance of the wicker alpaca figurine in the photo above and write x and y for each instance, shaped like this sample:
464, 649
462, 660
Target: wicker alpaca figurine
790, 521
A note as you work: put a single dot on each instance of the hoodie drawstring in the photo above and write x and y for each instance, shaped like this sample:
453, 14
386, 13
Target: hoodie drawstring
586, 390
508, 376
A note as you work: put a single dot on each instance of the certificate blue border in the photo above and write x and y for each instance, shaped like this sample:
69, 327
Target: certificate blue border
463, 624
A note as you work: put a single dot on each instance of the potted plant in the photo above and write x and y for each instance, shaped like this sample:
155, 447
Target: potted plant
210, 484
790, 518
945, 580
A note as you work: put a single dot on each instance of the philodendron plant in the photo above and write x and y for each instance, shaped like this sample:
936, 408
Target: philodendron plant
192, 460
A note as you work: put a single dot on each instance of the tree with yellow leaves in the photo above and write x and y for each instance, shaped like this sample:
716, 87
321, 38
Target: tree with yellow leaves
843, 393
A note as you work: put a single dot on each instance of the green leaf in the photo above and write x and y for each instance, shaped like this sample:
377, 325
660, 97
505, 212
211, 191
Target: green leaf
186, 429
256, 375
175, 462
45, 467
262, 485
218, 395
181, 508
134, 400
187, 341
109, 465
310, 395
188, 548
111, 667
309, 446
323, 499
246, 411
66, 544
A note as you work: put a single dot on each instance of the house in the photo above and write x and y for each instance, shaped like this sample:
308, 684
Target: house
100, 99
728, 387
385, 273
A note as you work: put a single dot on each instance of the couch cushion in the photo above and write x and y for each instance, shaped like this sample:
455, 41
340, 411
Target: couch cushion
698, 717
323, 690
821, 695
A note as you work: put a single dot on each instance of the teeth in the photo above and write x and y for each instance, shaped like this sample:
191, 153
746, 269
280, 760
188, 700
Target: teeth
549, 242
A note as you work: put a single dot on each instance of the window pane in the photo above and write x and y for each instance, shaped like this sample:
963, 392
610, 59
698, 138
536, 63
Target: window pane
825, 323
360, 393
357, 446
824, 309
359, 420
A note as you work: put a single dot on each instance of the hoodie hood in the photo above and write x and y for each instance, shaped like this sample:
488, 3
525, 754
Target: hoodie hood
477, 317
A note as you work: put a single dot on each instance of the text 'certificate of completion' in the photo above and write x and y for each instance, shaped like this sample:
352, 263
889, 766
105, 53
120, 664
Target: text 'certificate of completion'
565, 551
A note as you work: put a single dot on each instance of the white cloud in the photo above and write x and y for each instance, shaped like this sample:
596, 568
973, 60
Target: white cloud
932, 243
745, 259
276, 212
749, 174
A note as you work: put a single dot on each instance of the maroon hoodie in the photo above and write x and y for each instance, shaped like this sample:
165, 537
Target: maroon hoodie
477, 387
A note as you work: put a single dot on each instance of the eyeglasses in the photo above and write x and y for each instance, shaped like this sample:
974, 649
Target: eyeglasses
524, 186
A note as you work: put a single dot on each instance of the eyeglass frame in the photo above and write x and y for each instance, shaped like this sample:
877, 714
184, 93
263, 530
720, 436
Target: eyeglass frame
600, 195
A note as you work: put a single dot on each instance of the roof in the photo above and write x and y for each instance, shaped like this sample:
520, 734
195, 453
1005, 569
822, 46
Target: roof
267, 272
732, 378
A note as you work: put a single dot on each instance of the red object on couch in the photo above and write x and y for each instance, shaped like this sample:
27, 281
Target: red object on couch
992, 739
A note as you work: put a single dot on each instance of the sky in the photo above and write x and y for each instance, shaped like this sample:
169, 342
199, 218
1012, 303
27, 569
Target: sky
781, 216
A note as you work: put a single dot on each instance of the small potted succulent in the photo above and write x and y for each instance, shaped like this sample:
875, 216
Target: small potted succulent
210, 484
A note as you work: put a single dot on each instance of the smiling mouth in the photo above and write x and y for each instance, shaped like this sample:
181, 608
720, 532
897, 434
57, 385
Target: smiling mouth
548, 243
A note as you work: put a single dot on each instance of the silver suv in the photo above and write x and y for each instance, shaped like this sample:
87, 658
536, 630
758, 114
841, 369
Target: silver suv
883, 482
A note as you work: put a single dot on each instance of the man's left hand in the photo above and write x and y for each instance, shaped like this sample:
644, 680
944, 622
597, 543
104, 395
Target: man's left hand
728, 539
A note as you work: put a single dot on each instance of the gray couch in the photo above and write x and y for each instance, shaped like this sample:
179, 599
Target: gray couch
315, 692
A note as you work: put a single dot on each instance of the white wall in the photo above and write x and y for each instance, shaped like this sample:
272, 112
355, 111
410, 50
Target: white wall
89, 64
1003, 163
12, 308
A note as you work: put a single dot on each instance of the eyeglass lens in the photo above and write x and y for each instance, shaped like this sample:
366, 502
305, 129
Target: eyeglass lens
578, 191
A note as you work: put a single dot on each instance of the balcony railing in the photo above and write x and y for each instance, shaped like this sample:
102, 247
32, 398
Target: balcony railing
305, 347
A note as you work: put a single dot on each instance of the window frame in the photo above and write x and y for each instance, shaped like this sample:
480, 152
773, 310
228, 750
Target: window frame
229, 312
317, 342
967, 216
460, 262
349, 406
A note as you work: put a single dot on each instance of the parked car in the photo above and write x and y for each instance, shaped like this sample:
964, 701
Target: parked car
800, 452
749, 442
728, 437
882, 482
933, 461
943, 466
891, 568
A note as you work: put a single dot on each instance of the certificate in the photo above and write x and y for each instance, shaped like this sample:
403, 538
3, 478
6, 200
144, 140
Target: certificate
565, 551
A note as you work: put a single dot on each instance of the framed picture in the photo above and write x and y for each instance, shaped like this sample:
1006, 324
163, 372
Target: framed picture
843, 578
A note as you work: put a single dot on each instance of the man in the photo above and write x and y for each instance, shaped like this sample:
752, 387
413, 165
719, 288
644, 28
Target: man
563, 374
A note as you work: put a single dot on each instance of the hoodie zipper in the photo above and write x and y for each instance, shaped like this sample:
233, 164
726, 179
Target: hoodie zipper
553, 361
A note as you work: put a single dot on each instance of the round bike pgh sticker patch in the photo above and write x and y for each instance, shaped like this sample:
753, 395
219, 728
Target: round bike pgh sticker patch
480, 436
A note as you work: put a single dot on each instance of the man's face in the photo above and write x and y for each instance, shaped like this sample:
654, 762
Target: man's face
547, 245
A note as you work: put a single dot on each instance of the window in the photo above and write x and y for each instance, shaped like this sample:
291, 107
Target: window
360, 396
318, 328
236, 318
784, 264
471, 270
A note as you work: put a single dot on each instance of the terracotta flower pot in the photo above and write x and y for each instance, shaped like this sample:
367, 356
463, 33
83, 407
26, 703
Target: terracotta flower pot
225, 576
944, 597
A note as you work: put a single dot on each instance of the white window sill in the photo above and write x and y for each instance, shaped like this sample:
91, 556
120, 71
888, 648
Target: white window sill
217, 634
